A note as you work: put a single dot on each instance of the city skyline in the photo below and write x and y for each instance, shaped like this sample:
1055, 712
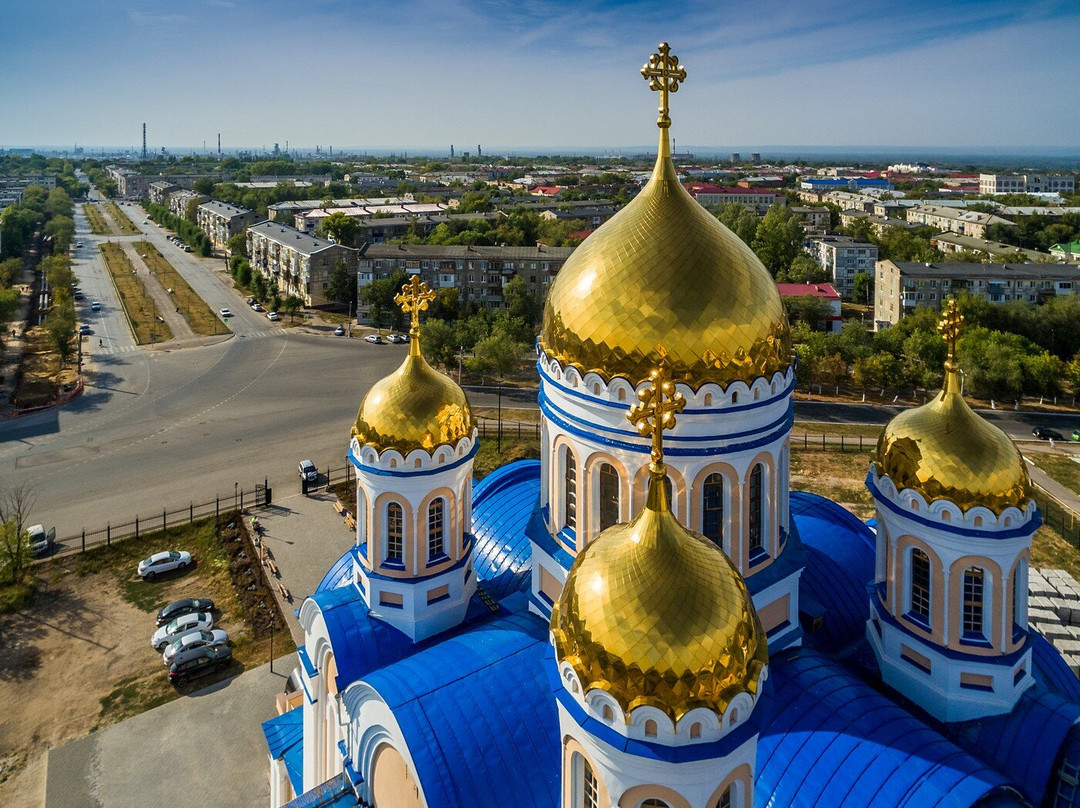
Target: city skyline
420, 76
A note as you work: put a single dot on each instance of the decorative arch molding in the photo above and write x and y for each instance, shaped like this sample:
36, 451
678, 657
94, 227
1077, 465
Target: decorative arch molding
993, 604
634, 796
741, 780
905, 544
590, 496
678, 490
366, 457
453, 521
733, 495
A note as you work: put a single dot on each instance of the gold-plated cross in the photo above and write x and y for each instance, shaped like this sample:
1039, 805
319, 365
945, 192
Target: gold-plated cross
950, 326
656, 412
664, 73
414, 298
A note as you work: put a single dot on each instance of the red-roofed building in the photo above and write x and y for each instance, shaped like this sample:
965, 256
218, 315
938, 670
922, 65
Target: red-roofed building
822, 291
547, 190
711, 196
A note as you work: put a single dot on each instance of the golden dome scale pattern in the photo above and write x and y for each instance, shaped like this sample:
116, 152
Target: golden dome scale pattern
944, 450
665, 271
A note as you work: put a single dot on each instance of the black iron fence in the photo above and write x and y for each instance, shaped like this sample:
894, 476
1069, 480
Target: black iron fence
145, 523
1058, 517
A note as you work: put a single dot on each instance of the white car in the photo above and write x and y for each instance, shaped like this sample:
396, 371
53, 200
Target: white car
272, 316
375, 338
257, 307
163, 562
226, 313
181, 626
180, 649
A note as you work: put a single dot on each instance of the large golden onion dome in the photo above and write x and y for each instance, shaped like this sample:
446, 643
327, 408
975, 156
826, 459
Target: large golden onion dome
655, 614
944, 450
415, 407
665, 276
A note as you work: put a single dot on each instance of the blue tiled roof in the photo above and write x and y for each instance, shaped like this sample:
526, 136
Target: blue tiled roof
338, 575
334, 793
839, 564
502, 504
478, 716
1051, 670
1023, 744
285, 739
829, 740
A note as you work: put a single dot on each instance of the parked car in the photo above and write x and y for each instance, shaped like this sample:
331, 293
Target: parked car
1076, 434
85, 329
184, 606
95, 306
77, 294
398, 339
1043, 433
40, 541
251, 301
226, 313
78, 243
209, 659
165, 561
184, 624
373, 338
272, 316
339, 331
308, 471
186, 647
187, 248
257, 307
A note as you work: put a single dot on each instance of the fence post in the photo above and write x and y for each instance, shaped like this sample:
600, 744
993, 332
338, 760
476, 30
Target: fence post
84, 540
217, 508
804, 444
823, 441
241, 501
860, 442
164, 527
136, 528
841, 441
191, 512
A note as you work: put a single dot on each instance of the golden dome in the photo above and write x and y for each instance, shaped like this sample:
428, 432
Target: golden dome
415, 407
656, 614
665, 276
944, 450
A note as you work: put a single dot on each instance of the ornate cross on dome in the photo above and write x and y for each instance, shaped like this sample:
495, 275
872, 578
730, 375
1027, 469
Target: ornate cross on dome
414, 298
664, 73
950, 325
656, 412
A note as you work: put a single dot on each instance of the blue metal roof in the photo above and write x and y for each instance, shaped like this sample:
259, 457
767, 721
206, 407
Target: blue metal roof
502, 504
340, 574
285, 739
829, 740
1050, 669
839, 564
1023, 744
334, 793
478, 716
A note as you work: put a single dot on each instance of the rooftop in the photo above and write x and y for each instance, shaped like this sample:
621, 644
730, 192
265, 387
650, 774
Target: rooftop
1027, 271
292, 238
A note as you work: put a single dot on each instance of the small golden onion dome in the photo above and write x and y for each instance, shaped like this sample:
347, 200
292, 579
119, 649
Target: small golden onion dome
655, 614
415, 407
944, 450
665, 272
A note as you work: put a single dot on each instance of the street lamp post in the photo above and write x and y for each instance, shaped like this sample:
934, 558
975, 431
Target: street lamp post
235, 491
498, 439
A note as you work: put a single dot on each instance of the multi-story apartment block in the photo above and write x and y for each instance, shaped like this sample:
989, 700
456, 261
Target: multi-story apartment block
757, 199
288, 211
130, 184
221, 221
843, 258
900, 287
1027, 184
179, 201
479, 272
309, 221
592, 216
814, 218
955, 243
301, 264
955, 220
19, 182
159, 191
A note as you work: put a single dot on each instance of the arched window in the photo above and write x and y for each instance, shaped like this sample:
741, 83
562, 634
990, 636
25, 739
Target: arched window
712, 509
570, 489
394, 524
757, 506
973, 602
725, 799
436, 547
1019, 594
361, 515
920, 585
609, 496
650, 728
590, 788
653, 802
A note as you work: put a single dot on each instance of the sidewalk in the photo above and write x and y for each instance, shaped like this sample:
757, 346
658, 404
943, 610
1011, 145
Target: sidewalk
165, 305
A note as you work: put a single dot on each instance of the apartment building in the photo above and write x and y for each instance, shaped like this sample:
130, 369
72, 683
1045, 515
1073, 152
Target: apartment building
757, 199
955, 220
309, 221
955, 243
900, 287
130, 184
817, 218
480, 273
221, 221
288, 211
592, 216
300, 263
1027, 184
159, 191
20, 182
843, 258
179, 201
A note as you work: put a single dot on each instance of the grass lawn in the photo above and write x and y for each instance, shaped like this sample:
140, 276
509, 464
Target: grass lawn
812, 428
121, 219
524, 415
840, 476
196, 312
98, 223
138, 305
1060, 467
488, 459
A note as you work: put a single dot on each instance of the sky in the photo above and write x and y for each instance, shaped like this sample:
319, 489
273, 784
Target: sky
538, 75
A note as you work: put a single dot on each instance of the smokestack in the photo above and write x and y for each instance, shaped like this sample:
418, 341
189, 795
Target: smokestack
219, 144
451, 151
479, 154
144, 141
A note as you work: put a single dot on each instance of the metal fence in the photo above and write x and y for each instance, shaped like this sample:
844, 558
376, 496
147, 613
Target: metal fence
142, 524
1058, 516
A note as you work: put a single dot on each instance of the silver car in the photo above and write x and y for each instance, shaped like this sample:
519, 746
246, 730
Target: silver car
187, 646
186, 624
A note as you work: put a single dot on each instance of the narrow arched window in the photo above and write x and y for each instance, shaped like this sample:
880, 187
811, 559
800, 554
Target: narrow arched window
590, 788
436, 546
361, 516
973, 602
609, 496
1019, 594
653, 802
712, 509
394, 525
725, 799
757, 508
920, 585
650, 728
570, 489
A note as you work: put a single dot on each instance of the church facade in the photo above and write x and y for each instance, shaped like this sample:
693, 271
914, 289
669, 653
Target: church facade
648, 616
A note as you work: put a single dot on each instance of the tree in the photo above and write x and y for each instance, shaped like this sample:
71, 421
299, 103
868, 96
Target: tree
1072, 373
862, 288
778, 239
58, 204
60, 325
341, 287
830, 370
258, 287
521, 303
803, 269
498, 353
379, 297
342, 229
739, 219
881, 370
992, 363
438, 342
15, 506
808, 309
237, 245
292, 305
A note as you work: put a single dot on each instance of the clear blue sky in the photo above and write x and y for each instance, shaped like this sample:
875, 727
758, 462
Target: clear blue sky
537, 73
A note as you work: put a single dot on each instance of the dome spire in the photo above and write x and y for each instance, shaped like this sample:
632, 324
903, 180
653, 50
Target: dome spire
950, 326
414, 298
655, 413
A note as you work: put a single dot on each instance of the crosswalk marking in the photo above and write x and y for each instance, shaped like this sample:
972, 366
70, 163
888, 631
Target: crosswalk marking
109, 349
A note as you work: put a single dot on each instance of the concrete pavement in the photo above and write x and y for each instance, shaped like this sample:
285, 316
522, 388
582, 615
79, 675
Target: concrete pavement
205, 750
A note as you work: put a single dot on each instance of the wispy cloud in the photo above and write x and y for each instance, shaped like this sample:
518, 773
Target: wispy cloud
153, 18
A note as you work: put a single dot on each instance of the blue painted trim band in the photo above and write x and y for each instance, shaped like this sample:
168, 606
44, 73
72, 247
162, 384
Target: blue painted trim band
787, 639
305, 660
674, 451
360, 467
545, 608
543, 399
969, 532
465, 558
787, 391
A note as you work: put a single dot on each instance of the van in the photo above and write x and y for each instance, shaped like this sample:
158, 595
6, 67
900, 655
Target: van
39, 541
